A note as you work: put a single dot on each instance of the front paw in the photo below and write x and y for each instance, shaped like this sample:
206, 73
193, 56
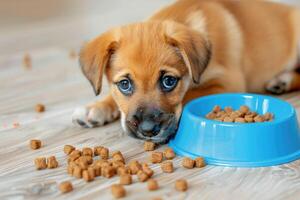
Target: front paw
89, 117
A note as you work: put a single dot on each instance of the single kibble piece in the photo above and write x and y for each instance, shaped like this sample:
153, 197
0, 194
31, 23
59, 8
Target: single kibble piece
216, 109
39, 108
200, 162
227, 119
248, 118
125, 179
73, 157
240, 120
117, 164
211, 115
268, 116
258, 118
152, 184
68, 149
65, 187
118, 191
244, 109
188, 163
167, 167
40, 163
181, 185
149, 146
156, 157
134, 167
70, 169
108, 171
147, 170
75, 152
87, 152
169, 153
118, 156
97, 150
77, 172
88, 175
97, 170
83, 165
123, 170
228, 109
35, 144
52, 162
104, 153
142, 176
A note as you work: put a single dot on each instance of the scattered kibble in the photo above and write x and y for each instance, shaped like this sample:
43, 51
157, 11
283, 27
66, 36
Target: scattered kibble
167, 167
88, 175
35, 144
65, 187
142, 176
188, 163
52, 162
87, 152
125, 179
108, 171
104, 153
181, 185
27, 61
156, 157
40, 163
169, 153
134, 167
149, 146
152, 184
200, 162
68, 149
39, 108
118, 191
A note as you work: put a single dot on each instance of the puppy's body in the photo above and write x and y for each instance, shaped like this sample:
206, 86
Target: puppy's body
206, 46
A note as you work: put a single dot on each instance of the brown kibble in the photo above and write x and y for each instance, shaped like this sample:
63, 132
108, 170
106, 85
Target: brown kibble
68, 149
134, 166
149, 146
87, 152
228, 109
200, 162
118, 156
73, 157
52, 162
97, 170
39, 108
248, 118
152, 184
27, 61
83, 165
88, 175
73, 54
181, 185
169, 153
117, 164
65, 187
70, 169
211, 115
97, 150
216, 109
104, 153
234, 115
188, 163
35, 144
147, 170
244, 109
227, 119
142, 176
123, 170
108, 171
75, 152
125, 179
156, 157
258, 118
77, 172
118, 191
240, 120
40, 163
268, 116
167, 167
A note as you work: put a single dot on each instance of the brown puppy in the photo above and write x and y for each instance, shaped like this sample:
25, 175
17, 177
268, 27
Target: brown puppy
189, 49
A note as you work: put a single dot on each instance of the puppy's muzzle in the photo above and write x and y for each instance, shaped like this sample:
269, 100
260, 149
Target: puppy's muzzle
150, 122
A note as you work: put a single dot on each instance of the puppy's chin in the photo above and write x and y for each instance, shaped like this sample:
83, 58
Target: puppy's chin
162, 137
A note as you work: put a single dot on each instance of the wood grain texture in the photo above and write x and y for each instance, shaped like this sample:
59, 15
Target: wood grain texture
56, 81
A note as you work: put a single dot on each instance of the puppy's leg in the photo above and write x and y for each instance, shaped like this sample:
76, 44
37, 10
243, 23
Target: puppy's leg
96, 114
285, 82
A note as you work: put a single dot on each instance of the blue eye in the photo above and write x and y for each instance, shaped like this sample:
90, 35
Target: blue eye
168, 83
125, 86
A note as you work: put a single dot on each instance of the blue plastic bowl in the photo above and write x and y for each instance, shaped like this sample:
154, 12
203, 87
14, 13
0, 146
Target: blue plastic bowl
238, 144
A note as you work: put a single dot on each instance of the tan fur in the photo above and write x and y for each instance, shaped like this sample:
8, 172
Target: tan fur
214, 46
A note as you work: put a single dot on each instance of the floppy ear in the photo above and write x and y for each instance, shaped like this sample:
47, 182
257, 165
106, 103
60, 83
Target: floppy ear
192, 46
94, 58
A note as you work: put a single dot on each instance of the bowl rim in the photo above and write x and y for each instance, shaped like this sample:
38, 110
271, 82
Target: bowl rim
230, 124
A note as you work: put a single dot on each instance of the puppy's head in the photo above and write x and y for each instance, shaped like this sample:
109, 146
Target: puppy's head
149, 66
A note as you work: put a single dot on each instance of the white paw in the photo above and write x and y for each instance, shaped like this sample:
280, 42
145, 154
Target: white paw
89, 117
280, 84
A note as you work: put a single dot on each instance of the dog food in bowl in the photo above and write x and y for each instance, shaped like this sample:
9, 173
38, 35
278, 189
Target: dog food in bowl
243, 115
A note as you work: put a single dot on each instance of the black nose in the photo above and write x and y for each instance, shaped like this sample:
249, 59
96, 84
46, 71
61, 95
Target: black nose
148, 121
149, 128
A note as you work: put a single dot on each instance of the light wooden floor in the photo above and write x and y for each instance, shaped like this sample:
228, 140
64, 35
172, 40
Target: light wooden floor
56, 81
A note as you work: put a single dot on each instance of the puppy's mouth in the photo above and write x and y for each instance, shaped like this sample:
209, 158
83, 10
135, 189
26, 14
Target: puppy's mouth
167, 129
